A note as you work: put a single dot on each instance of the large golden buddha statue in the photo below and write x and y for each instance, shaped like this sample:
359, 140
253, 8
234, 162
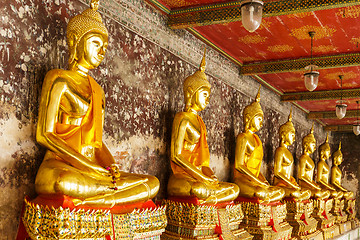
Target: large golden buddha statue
190, 156
323, 170
283, 164
336, 174
71, 117
249, 156
307, 167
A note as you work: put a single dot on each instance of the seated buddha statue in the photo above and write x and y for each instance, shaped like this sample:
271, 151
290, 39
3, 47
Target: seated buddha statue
336, 174
323, 170
283, 164
307, 167
249, 156
71, 116
190, 158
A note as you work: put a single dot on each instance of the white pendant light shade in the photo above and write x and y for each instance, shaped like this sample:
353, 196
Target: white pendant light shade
251, 14
340, 109
311, 80
356, 129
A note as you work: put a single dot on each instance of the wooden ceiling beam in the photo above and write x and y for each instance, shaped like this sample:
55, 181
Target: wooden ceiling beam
320, 95
230, 11
292, 65
339, 128
330, 114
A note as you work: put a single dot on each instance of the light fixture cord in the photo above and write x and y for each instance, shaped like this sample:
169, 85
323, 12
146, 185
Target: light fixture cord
341, 93
311, 59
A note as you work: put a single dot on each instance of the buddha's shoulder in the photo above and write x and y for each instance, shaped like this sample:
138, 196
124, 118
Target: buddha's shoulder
54, 74
181, 117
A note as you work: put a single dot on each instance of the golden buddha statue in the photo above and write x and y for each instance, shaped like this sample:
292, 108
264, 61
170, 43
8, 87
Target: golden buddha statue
336, 174
190, 156
71, 117
284, 162
248, 158
307, 167
323, 171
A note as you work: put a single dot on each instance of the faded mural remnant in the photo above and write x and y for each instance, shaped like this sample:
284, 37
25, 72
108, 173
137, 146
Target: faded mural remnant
142, 76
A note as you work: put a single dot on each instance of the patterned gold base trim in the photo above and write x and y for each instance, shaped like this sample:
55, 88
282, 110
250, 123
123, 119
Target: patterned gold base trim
44, 223
189, 221
299, 217
266, 222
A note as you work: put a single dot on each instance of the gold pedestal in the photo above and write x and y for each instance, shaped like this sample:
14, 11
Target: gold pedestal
265, 221
299, 217
195, 221
47, 223
339, 211
351, 213
326, 221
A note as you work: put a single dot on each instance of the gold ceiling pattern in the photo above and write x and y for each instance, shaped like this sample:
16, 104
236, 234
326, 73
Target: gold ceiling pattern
302, 33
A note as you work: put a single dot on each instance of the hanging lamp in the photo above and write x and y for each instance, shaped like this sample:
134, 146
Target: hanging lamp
251, 14
341, 104
356, 126
311, 78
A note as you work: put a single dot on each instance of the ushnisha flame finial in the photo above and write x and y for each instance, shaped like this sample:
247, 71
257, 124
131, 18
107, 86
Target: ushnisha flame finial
203, 62
312, 128
257, 99
290, 115
339, 146
327, 137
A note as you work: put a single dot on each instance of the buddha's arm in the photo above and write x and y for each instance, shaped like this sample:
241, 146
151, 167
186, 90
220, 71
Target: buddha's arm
179, 130
46, 131
321, 177
240, 158
304, 164
335, 177
278, 168
103, 156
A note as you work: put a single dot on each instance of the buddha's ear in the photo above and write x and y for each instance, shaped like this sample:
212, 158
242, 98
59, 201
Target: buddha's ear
72, 40
188, 92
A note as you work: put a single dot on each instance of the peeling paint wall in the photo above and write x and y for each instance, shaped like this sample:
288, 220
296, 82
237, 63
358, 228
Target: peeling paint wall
142, 77
350, 166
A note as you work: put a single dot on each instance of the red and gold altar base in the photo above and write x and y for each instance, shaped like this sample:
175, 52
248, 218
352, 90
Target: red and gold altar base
326, 221
59, 219
265, 221
299, 217
188, 219
351, 213
341, 217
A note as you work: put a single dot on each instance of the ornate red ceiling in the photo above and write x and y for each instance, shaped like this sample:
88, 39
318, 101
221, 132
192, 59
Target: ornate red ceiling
285, 37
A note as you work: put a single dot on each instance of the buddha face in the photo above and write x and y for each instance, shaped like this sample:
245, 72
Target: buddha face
289, 137
338, 159
201, 99
256, 123
310, 146
91, 50
325, 153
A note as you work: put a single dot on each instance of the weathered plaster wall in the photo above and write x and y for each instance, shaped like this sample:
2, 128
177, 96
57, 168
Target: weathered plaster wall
142, 77
351, 159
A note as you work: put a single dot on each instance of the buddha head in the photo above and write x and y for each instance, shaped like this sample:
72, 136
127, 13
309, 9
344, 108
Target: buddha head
324, 149
197, 89
337, 156
253, 115
87, 38
287, 131
309, 142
